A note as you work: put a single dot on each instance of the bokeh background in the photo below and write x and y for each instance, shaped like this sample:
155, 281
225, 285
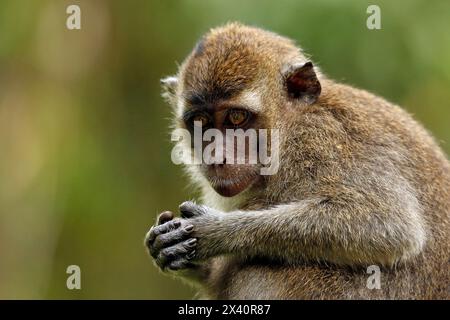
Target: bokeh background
84, 140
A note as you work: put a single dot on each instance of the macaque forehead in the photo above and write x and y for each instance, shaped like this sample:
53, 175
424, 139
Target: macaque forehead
232, 64
219, 70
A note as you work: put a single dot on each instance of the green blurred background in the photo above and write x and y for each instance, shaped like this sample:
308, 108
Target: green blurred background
84, 145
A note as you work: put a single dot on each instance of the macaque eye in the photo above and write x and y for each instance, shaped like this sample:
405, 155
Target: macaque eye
200, 118
238, 117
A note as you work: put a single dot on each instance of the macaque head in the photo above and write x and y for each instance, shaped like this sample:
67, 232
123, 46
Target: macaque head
231, 94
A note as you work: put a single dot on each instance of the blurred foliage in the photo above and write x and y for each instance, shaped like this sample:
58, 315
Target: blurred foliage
85, 153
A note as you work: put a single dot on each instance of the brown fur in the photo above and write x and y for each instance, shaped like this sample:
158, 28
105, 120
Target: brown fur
362, 159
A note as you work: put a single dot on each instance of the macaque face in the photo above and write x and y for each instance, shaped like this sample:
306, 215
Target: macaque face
229, 131
222, 88
217, 97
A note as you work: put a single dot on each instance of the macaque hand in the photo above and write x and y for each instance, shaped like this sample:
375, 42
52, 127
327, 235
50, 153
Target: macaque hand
170, 243
206, 229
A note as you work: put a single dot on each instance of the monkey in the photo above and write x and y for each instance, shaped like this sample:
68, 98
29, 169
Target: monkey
360, 183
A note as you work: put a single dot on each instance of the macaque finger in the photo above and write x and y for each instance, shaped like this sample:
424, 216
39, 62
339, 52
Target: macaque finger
161, 229
176, 252
168, 239
165, 217
189, 209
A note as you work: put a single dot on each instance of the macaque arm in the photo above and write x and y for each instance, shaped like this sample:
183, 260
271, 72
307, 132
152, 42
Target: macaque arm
353, 227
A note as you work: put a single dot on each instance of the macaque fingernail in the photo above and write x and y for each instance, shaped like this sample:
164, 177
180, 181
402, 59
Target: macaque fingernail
191, 241
189, 228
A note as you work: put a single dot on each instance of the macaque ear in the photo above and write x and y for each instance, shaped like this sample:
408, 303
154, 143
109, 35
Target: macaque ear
302, 83
169, 87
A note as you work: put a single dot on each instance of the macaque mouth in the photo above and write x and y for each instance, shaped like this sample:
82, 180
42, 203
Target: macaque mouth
233, 184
